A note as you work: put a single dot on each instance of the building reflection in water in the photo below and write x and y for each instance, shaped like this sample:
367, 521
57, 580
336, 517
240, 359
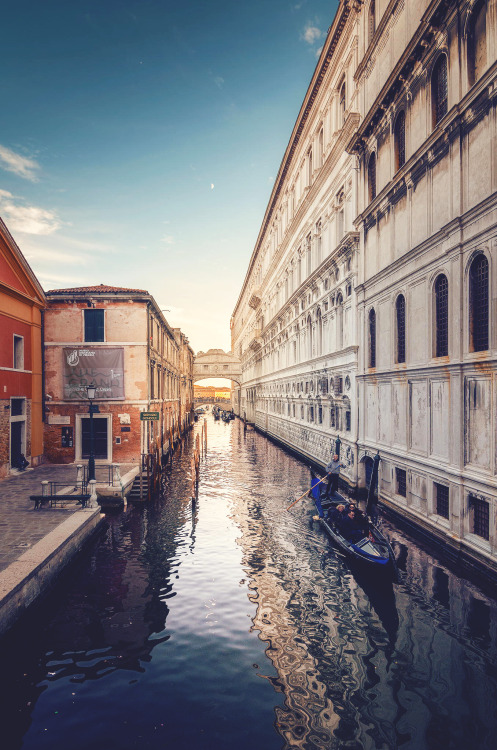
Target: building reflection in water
375, 666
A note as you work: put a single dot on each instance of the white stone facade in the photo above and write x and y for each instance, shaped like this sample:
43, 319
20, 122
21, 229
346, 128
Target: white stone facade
427, 283
389, 178
294, 326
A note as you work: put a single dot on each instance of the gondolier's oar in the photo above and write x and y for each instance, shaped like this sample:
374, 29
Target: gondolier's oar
307, 492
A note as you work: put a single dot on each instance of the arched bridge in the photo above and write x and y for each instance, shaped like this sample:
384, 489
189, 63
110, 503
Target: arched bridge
216, 363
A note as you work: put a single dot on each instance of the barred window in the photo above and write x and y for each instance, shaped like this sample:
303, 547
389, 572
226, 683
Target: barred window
442, 495
477, 42
400, 140
441, 316
439, 90
480, 516
372, 177
401, 328
372, 338
400, 475
478, 304
342, 105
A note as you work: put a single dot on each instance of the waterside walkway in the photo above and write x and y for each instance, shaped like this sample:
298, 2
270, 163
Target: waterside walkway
36, 544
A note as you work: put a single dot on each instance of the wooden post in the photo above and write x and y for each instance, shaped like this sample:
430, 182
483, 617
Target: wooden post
205, 436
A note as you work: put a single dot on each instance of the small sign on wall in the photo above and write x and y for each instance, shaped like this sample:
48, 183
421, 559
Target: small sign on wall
125, 428
58, 419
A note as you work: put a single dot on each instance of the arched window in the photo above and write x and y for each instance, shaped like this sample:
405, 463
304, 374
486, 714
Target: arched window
339, 322
477, 42
400, 308
371, 21
372, 177
441, 316
372, 338
400, 140
309, 338
439, 90
478, 304
341, 104
319, 333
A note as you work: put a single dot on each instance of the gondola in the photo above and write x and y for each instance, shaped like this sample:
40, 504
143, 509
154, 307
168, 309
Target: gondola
373, 551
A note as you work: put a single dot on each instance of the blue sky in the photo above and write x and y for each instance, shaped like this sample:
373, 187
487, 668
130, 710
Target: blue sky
140, 140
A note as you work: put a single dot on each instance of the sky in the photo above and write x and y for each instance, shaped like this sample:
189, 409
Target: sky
139, 141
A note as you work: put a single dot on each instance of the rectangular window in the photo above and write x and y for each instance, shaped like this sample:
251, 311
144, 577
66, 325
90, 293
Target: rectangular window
442, 495
320, 415
332, 416
311, 414
94, 325
480, 517
347, 421
401, 482
16, 407
18, 352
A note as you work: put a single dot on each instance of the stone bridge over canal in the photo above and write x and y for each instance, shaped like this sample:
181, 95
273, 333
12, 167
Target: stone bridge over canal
216, 363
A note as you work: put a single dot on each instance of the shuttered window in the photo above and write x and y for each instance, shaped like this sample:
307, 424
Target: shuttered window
478, 304
439, 89
400, 140
442, 316
94, 325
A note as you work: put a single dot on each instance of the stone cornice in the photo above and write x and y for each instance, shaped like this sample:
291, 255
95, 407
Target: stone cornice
334, 34
401, 71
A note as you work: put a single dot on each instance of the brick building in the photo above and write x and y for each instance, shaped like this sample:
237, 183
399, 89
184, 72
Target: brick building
21, 321
118, 339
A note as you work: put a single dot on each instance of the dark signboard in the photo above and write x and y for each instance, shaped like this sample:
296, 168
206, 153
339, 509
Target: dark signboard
149, 416
103, 366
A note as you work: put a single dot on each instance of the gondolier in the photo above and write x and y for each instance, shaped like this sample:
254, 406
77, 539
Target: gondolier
333, 472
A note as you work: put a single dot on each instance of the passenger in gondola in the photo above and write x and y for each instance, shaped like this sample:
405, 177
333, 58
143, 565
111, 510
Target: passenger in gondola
360, 519
350, 529
336, 515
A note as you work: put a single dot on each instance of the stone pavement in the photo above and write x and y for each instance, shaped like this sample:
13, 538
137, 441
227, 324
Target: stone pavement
20, 525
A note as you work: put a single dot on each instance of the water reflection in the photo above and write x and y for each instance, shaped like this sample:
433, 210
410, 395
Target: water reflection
230, 621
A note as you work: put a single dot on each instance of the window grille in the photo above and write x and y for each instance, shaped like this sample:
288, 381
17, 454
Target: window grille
442, 493
480, 516
401, 482
400, 140
477, 42
442, 316
401, 328
478, 302
372, 177
440, 89
372, 338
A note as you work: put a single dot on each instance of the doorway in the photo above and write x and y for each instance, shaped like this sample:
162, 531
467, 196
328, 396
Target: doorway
16, 443
101, 436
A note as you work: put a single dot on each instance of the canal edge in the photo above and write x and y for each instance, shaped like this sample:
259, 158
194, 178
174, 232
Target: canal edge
26, 579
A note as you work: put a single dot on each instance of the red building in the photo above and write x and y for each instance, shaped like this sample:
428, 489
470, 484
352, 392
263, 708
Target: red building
22, 302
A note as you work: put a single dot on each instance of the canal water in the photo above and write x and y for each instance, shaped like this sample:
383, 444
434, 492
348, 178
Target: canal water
230, 623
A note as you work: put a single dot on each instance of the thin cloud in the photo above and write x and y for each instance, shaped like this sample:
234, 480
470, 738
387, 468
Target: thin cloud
219, 81
27, 219
18, 164
168, 239
311, 34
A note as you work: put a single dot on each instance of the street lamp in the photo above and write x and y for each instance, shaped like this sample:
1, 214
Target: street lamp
91, 391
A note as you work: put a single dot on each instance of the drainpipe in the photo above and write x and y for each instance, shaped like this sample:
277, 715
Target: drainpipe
43, 399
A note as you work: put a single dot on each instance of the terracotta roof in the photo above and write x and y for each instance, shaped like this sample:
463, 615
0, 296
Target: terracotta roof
99, 289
